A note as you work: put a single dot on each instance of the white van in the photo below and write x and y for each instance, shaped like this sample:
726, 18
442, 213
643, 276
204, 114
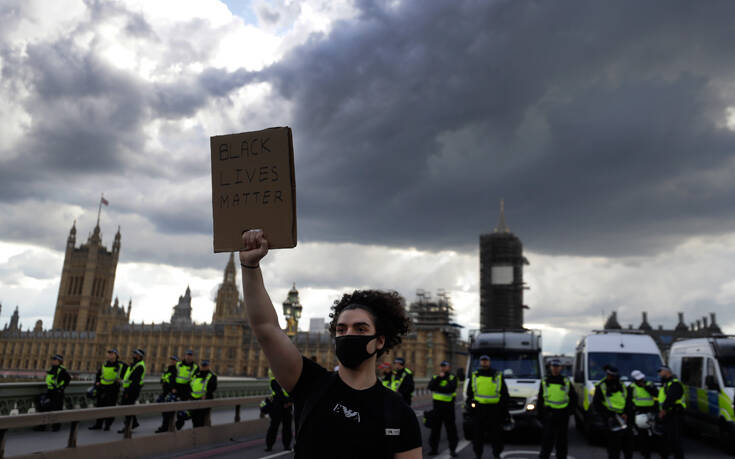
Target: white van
627, 350
517, 353
706, 368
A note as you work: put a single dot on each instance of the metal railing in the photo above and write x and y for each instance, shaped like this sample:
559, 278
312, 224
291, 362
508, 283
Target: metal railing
19, 398
153, 444
73, 417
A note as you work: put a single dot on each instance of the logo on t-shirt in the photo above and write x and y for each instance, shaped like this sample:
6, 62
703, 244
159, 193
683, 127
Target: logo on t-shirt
346, 412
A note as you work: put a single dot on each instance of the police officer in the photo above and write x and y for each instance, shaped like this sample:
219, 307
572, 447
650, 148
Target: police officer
132, 384
107, 383
487, 395
642, 399
610, 402
555, 403
280, 412
385, 374
168, 378
443, 389
402, 379
203, 384
671, 399
184, 371
181, 388
57, 379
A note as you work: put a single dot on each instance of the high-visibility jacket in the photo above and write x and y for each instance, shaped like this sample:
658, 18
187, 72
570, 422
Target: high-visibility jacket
110, 374
614, 402
272, 378
199, 384
486, 389
184, 372
641, 397
127, 381
396, 383
52, 379
441, 396
663, 393
556, 396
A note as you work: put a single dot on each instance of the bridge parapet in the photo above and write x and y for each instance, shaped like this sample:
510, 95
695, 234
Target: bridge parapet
19, 398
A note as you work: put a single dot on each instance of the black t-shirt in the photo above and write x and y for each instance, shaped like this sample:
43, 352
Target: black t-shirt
349, 423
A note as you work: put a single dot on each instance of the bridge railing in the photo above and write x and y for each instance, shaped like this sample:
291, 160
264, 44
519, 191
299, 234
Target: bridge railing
21, 398
153, 444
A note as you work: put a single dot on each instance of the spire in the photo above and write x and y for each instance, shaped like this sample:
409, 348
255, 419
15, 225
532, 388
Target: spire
130, 306
681, 326
116, 243
612, 322
644, 323
502, 227
713, 323
230, 269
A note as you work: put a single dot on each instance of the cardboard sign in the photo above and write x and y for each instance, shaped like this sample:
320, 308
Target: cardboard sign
253, 187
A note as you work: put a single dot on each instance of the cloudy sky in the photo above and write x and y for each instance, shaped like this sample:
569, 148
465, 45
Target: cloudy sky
608, 128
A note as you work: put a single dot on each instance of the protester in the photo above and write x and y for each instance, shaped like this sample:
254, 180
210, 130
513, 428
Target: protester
348, 412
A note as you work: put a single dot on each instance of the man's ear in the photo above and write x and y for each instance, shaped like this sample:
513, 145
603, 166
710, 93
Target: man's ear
379, 342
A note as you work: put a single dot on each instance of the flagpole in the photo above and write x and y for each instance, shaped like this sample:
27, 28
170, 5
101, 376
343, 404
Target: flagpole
99, 211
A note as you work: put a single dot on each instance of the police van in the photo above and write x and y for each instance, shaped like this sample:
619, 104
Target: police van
706, 368
517, 354
627, 350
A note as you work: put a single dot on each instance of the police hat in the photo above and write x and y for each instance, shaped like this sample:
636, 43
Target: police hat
174, 358
664, 367
58, 357
484, 357
204, 363
399, 360
113, 350
611, 370
637, 375
444, 363
139, 352
555, 363
189, 352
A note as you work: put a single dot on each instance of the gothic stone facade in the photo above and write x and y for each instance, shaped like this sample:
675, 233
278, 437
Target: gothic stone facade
87, 322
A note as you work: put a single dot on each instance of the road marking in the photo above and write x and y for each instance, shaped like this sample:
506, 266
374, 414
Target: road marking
276, 455
507, 454
460, 446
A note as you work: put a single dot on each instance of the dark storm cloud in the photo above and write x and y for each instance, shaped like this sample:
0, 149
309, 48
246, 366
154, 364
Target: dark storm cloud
601, 124
411, 123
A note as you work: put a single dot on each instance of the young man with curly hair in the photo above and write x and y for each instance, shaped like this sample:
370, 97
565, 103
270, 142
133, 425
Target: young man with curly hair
347, 413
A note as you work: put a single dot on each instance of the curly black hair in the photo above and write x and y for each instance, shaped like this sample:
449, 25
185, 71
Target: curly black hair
387, 308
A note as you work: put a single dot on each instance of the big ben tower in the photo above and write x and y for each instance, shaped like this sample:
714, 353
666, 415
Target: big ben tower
501, 278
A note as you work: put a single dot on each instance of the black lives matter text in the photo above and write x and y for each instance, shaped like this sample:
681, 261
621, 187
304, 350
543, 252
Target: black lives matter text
244, 185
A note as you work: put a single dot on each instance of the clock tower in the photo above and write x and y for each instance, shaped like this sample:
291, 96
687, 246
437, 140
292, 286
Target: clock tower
501, 278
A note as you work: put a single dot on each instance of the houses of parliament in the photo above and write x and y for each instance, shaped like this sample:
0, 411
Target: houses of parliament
87, 322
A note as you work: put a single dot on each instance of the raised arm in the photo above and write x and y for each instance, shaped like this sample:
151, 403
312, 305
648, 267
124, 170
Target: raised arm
283, 357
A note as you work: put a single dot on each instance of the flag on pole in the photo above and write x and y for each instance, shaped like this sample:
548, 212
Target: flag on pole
104, 201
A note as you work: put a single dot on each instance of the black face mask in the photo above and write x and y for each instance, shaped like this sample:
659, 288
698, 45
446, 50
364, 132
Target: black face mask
352, 349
